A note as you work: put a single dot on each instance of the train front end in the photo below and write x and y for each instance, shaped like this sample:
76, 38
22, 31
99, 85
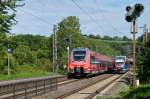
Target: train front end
78, 62
120, 65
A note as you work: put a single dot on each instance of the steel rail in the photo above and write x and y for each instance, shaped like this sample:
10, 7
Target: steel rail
104, 87
82, 87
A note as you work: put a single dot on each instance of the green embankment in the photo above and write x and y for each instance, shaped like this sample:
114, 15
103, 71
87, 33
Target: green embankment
22, 72
109, 47
142, 92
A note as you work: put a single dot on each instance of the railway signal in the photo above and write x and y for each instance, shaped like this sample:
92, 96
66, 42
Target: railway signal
131, 16
134, 12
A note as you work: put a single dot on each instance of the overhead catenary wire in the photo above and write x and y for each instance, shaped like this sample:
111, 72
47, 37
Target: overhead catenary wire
46, 22
48, 7
91, 18
37, 17
104, 17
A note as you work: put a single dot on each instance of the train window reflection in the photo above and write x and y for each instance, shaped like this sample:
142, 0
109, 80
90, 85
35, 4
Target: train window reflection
79, 55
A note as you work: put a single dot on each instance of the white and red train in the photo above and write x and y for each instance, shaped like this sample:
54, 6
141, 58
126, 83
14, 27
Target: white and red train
121, 64
83, 62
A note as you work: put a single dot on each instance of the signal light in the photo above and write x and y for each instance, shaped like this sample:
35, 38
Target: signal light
128, 8
133, 12
139, 7
129, 18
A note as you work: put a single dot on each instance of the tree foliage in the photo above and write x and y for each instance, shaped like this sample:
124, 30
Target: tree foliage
143, 61
7, 14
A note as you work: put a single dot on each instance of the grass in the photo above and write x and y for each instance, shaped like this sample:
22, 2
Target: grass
142, 92
25, 72
22, 75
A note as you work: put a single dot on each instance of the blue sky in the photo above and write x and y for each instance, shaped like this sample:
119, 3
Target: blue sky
38, 16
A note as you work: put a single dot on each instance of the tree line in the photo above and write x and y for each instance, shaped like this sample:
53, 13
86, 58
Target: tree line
106, 37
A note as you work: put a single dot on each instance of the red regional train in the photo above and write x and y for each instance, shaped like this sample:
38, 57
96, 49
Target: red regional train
83, 62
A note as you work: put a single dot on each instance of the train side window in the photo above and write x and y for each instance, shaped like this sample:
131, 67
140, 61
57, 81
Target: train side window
102, 64
92, 59
110, 64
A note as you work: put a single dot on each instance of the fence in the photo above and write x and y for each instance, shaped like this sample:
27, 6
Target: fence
27, 87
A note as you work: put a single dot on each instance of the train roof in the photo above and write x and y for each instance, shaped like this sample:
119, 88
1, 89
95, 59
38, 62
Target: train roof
101, 56
80, 49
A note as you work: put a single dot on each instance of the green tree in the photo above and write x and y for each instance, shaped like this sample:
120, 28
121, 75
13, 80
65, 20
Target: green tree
34, 42
143, 61
7, 14
107, 37
69, 27
125, 38
3, 58
23, 55
116, 38
7, 19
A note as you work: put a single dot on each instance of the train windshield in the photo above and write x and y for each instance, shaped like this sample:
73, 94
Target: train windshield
79, 55
119, 63
121, 57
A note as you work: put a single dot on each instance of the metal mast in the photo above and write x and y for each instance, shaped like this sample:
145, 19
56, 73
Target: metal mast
55, 65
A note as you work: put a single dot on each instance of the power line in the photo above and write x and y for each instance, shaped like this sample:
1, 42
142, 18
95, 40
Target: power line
103, 16
37, 17
92, 19
41, 3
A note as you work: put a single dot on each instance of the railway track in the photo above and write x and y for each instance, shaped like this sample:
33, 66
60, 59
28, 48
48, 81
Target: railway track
67, 82
91, 91
27, 88
54, 87
71, 88
83, 87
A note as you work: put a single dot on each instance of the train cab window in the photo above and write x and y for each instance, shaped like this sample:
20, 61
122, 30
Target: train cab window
79, 55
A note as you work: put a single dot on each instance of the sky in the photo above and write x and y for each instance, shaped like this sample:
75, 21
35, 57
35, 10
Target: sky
103, 17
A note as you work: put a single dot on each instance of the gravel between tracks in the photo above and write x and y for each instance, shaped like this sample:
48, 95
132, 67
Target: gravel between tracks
84, 93
114, 89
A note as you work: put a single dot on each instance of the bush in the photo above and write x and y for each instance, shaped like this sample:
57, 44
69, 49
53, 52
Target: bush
142, 92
